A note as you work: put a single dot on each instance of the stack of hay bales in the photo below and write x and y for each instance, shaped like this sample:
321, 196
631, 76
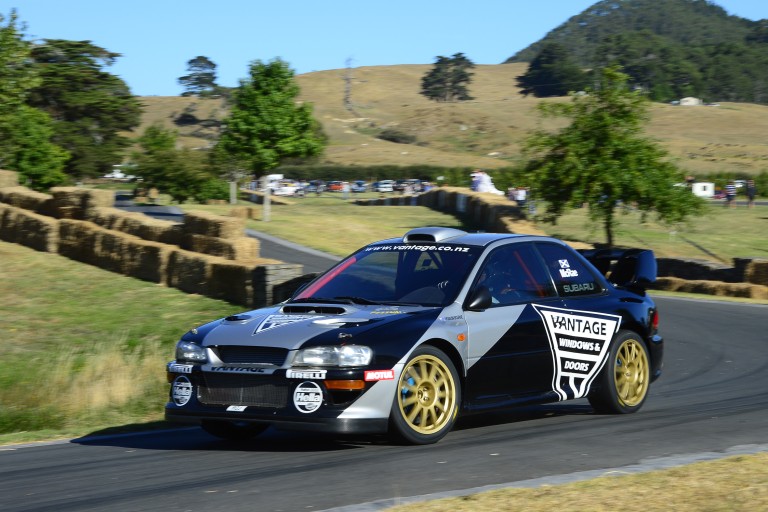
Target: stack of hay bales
136, 224
218, 236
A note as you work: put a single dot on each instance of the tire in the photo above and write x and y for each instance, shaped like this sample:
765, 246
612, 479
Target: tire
622, 385
233, 430
427, 399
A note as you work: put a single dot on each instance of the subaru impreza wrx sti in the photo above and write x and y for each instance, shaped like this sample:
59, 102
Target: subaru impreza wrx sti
406, 334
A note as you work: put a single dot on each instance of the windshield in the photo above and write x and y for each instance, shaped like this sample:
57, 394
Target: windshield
428, 275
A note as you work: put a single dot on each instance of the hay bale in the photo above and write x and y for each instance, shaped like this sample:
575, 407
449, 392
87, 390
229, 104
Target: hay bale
146, 260
8, 178
715, 288
28, 228
109, 249
136, 224
757, 272
208, 224
76, 239
239, 249
27, 199
189, 272
74, 202
232, 282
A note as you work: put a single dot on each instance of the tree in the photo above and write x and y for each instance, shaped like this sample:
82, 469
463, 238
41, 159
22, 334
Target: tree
25, 133
267, 125
201, 80
551, 73
448, 79
601, 159
181, 173
90, 108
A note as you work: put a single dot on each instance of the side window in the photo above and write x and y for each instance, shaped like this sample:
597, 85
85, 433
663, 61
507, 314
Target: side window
571, 275
513, 273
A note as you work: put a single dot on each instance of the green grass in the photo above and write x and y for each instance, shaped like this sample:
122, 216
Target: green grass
84, 348
720, 235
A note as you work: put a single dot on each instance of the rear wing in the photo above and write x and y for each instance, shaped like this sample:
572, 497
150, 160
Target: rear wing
629, 268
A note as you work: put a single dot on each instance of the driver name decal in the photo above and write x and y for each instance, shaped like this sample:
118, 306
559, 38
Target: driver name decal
580, 342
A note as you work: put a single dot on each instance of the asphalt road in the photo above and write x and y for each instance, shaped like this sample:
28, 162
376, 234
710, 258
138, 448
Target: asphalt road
711, 401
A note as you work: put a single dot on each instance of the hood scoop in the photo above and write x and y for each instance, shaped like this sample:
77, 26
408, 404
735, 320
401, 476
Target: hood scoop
314, 308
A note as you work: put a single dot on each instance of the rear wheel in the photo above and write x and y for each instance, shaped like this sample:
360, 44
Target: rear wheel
233, 430
427, 399
622, 384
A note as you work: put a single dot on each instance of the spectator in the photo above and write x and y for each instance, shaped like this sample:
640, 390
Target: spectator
730, 195
751, 192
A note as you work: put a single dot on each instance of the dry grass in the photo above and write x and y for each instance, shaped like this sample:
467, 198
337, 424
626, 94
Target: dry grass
729, 138
737, 483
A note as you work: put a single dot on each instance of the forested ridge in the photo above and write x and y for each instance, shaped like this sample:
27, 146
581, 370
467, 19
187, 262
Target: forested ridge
671, 48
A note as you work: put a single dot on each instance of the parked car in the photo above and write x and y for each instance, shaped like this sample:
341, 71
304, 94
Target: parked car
408, 333
335, 186
315, 187
359, 186
384, 186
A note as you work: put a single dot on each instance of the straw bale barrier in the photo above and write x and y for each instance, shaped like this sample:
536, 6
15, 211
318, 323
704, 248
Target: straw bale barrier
241, 249
74, 202
189, 272
8, 178
22, 197
125, 254
716, 288
137, 224
208, 224
24, 227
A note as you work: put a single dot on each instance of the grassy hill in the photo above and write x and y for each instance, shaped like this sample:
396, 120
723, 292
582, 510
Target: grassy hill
485, 132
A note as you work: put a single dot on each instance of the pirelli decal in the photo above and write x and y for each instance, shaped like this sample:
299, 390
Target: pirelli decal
580, 342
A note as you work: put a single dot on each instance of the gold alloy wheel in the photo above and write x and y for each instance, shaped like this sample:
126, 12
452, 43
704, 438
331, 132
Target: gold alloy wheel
427, 394
631, 373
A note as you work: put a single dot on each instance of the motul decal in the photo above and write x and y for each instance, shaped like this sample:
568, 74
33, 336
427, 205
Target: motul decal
273, 321
580, 342
371, 375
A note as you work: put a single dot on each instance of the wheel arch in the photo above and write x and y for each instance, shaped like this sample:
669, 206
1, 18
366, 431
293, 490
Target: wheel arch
453, 354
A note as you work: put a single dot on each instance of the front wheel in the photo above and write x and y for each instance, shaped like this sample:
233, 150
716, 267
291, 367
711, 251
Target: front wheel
622, 384
233, 430
427, 399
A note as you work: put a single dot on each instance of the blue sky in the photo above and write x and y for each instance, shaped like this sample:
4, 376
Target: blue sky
157, 38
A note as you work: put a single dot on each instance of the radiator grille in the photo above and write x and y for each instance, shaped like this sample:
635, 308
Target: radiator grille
238, 354
236, 389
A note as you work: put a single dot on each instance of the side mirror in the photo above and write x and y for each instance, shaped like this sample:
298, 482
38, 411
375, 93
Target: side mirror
480, 299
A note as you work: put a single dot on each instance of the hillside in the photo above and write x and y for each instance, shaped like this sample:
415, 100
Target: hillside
688, 22
485, 132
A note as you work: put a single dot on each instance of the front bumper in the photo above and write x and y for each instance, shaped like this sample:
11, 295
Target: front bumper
304, 402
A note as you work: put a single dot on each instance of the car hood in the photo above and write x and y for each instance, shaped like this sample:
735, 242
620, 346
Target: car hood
290, 326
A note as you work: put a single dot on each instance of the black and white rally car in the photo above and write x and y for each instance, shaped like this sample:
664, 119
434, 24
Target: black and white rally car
407, 333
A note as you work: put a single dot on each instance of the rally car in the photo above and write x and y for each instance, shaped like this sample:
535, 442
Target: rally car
406, 334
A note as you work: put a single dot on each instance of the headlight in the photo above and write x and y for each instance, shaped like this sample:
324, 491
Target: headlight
346, 355
190, 352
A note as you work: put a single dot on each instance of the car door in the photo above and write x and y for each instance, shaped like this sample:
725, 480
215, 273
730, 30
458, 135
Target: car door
580, 333
509, 355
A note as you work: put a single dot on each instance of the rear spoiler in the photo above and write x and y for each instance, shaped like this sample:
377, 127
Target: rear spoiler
629, 268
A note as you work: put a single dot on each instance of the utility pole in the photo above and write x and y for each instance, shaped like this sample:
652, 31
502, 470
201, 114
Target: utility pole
267, 193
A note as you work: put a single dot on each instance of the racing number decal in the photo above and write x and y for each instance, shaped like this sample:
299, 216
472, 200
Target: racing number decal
580, 342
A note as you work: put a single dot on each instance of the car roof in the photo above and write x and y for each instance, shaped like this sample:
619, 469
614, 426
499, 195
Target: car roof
433, 234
